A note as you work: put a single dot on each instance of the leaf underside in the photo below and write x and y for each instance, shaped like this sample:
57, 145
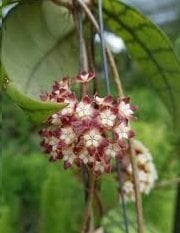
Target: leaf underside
38, 46
150, 48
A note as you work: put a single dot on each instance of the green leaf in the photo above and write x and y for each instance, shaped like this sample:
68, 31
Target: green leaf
6, 3
113, 223
5, 220
38, 46
38, 111
150, 48
177, 46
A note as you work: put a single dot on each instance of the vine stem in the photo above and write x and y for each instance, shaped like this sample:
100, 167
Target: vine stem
138, 199
120, 92
126, 222
108, 51
86, 228
103, 48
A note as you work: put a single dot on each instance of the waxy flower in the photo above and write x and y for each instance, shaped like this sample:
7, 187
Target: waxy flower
107, 118
67, 135
124, 131
92, 131
125, 109
92, 138
84, 108
147, 173
113, 150
85, 77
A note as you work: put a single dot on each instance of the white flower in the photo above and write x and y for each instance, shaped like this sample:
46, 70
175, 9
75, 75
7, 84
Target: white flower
53, 141
122, 130
129, 169
84, 109
128, 189
93, 138
107, 118
56, 119
142, 187
147, 173
99, 166
125, 109
112, 150
142, 176
67, 135
142, 158
85, 157
85, 77
68, 155
69, 109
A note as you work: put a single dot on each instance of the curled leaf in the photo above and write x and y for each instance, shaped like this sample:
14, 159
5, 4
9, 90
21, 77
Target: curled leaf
37, 111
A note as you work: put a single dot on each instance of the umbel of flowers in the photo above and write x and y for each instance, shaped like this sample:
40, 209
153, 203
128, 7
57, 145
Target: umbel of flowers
147, 173
91, 131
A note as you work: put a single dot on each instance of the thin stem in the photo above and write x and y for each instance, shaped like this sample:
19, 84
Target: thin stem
108, 51
85, 177
99, 203
139, 208
105, 67
89, 207
89, 14
115, 72
125, 217
83, 61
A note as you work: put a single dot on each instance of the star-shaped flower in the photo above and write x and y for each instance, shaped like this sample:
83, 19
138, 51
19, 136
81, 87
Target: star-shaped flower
85, 77
85, 157
112, 150
67, 135
107, 118
125, 109
93, 138
123, 131
68, 157
84, 108
106, 101
53, 141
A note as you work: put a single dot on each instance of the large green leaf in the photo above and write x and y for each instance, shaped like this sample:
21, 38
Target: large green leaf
38, 111
150, 48
38, 46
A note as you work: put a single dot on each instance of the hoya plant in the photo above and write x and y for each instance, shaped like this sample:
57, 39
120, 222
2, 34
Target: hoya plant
68, 84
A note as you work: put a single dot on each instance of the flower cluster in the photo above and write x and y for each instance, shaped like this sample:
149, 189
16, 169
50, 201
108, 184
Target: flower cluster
91, 131
147, 173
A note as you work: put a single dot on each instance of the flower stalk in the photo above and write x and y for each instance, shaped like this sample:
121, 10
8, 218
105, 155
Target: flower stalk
138, 200
87, 226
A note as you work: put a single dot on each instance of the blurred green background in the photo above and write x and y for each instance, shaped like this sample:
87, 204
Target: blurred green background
40, 197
